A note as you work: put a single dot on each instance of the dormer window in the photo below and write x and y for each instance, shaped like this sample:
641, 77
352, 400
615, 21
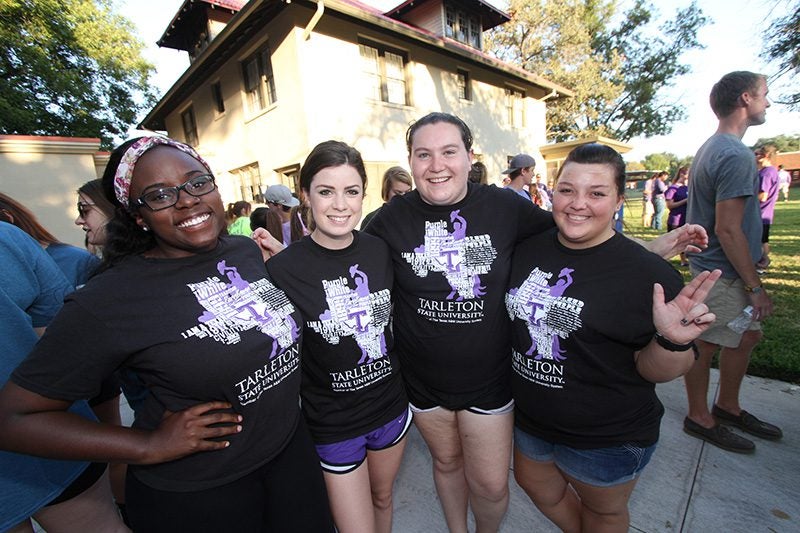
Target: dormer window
462, 26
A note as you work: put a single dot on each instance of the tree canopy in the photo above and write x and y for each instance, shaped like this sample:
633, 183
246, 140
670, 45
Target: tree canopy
70, 68
782, 45
666, 161
784, 143
617, 63
659, 161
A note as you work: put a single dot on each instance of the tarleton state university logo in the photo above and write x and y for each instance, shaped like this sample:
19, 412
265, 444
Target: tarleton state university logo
459, 257
239, 305
549, 315
356, 313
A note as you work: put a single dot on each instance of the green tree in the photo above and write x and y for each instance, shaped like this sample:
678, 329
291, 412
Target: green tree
660, 161
618, 71
71, 68
784, 143
782, 46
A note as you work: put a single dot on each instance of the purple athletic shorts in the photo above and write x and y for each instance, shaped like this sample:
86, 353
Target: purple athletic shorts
347, 455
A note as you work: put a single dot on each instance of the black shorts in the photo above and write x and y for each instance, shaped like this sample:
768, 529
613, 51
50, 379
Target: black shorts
765, 232
489, 398
287, 494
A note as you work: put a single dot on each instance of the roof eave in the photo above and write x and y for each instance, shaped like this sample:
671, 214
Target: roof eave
494, 18
619, 146
449, 45
165, 40
150, 121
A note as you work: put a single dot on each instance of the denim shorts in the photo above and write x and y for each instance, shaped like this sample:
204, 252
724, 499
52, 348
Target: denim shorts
347, 455
598, 467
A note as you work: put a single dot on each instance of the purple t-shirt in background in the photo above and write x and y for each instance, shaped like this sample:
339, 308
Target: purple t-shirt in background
768, 183
677, 216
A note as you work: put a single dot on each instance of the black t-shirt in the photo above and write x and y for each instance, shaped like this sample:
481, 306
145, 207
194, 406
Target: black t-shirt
202, 328
451, 267
351, 377
578, 317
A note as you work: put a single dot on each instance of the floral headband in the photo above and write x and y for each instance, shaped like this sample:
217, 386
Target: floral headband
124, 173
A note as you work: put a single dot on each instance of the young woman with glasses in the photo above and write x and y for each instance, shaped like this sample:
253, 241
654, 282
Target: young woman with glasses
94, 212
219, 442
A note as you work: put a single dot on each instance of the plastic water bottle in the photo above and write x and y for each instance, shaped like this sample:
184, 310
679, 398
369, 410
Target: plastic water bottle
740, 324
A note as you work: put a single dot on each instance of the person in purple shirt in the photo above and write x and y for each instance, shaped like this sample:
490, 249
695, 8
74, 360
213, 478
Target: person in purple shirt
767, 196
677, 196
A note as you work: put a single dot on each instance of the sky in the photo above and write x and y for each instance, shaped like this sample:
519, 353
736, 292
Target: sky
733, 41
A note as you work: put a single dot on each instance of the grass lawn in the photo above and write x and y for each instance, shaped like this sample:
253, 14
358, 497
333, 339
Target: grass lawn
777, 356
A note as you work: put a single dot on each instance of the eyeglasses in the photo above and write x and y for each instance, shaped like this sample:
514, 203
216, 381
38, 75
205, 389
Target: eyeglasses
84, 208
166, 197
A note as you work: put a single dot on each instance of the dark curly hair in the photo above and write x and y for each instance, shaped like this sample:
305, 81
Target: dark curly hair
124, 237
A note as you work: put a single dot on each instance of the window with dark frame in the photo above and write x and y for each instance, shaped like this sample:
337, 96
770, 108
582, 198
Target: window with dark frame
247, 181
216, 96
259, 82
189, 127
384, 73
462, 26
289, 176
515, 114
463, 82
450, 22
475, 32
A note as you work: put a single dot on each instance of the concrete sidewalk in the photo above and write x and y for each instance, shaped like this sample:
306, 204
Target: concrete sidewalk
689, 486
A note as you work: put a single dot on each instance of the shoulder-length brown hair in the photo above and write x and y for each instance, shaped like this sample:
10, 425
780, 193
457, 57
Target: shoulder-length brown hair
17, 214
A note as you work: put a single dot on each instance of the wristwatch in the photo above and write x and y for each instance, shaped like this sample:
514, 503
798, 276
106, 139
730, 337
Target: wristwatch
755, 290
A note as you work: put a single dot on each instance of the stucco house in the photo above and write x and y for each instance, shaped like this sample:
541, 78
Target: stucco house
269, 79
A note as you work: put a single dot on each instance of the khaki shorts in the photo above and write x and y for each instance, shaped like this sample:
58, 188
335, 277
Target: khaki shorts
726, 299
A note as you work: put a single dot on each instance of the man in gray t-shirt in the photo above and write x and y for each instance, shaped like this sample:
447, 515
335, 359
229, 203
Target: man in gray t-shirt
723, 198
724, 169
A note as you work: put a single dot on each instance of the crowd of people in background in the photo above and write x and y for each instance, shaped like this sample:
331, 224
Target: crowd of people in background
774, 181
276, 357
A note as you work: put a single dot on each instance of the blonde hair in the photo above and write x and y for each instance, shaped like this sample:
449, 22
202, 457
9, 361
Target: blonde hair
394, 174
